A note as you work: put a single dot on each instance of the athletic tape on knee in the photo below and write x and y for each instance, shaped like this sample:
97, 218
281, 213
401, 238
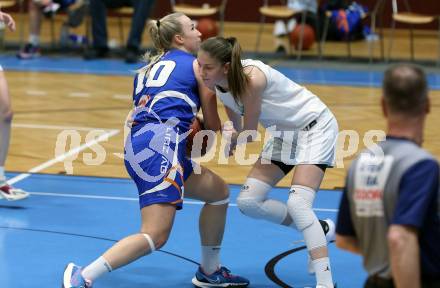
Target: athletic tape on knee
150, 242
300, 206
252, 201
221, 202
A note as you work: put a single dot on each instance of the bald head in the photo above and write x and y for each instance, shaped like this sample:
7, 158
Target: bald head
405, 90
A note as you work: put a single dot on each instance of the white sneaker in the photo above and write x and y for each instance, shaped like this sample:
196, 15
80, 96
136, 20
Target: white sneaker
330, 234
329, 228
12, 194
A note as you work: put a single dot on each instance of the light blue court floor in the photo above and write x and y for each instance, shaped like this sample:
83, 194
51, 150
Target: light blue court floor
327, 73
72, 218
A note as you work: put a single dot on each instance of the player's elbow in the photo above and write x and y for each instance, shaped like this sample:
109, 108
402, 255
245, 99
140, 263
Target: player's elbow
397, 238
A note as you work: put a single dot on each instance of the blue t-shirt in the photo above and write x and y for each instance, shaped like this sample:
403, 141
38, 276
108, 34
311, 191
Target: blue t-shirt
417, 206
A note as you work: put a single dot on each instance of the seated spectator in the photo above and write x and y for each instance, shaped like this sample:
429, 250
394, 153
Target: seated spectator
98, 9
38, 8
311, 6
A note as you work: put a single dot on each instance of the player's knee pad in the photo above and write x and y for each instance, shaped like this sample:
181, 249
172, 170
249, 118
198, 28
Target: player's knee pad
251, 206
300, 206
252, 202
150, 242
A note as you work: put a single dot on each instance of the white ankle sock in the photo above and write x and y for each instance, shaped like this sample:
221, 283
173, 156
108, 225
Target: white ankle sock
34, 39
96, 269
210, 259
2, 174
323, 272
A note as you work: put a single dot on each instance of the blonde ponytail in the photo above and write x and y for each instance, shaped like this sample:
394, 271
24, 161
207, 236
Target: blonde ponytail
162, 33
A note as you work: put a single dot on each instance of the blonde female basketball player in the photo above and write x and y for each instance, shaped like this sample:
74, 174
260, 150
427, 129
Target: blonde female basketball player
253, 92
168, 92
6, 191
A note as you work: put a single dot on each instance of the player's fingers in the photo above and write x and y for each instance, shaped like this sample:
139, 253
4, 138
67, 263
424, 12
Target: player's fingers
9, 22
11, 26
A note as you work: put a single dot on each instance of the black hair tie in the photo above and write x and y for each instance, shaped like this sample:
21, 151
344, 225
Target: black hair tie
231, 40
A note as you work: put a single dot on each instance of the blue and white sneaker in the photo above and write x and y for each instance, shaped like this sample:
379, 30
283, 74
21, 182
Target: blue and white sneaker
220, 278
73, 279
30, 51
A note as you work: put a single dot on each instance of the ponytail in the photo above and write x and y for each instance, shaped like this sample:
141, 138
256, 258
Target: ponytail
161, 33
228, 50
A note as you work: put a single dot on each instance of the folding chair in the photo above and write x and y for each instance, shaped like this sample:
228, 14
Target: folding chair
284, 13
411, 18
192, 10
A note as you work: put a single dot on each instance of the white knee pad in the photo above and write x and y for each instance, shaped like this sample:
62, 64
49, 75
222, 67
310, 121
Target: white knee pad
300, 209
252, 202
300, 206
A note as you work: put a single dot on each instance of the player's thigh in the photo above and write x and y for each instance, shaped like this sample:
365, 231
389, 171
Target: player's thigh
308, 175
206, 186
266, 172
5, 101
158, 219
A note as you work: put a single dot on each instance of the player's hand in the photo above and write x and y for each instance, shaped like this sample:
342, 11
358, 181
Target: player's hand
8, 20
233, 145
231, 135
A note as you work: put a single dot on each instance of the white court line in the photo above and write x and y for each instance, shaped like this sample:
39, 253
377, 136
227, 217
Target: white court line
57, 127
63, 156
121, 96
79, 94
86, 196
104, 197
36, 93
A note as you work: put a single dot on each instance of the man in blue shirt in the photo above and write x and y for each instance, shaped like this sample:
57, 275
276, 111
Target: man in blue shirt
389, 212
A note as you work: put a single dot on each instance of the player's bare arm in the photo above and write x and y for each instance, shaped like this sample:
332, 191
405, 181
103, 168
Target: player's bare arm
252, 98
8, 20
208, 101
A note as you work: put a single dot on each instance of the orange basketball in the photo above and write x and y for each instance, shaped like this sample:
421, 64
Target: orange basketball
196, 127
308, 40
207, 27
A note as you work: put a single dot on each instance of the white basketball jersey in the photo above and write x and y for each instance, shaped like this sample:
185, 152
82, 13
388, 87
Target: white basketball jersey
284, 103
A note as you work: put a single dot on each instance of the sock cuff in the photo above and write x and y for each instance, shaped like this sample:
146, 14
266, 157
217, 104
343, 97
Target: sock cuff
321, 260
109, 268
214, 247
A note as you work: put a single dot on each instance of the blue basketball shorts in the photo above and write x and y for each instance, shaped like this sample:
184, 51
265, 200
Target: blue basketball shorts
155, 159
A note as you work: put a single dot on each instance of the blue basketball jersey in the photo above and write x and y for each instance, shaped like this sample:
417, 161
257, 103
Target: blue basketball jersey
166, 100
168, 90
